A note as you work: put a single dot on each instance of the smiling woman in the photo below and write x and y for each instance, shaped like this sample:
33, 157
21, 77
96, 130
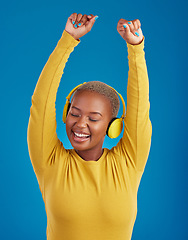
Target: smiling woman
90, 192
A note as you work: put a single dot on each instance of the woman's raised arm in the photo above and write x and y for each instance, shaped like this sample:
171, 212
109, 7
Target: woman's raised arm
135, 144
42, 137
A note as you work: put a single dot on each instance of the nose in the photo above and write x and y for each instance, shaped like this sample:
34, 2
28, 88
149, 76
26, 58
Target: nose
82, 122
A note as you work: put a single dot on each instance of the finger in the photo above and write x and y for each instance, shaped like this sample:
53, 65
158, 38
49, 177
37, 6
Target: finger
83, 20
120, 24
139, 31
90, 16
89, 24
121, 21
139, 23
73, 18
123, 26
79, 16
131, 26
136, 24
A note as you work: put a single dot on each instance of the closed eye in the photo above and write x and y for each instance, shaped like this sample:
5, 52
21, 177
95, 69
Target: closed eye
90, 119
74, 115
93, 120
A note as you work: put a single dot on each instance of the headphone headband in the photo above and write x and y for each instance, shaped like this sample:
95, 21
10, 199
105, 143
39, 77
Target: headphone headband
73, 90
122, 100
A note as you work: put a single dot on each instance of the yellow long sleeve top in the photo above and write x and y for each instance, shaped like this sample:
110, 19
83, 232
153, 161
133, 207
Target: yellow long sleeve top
89, 200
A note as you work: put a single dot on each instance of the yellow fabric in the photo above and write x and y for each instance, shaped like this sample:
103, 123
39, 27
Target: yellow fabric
89, 200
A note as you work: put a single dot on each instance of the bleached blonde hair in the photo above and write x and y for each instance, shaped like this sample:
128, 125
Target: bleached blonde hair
105, 90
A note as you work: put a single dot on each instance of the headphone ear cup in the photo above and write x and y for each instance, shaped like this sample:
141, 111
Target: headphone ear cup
115, 127
65, 110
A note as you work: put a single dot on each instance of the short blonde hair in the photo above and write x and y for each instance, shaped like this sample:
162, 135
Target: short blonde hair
105, 90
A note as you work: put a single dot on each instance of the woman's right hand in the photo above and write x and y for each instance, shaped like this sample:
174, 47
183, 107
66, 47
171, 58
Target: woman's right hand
78, 25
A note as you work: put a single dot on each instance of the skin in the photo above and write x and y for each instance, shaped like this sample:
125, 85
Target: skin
89, 114
81, 118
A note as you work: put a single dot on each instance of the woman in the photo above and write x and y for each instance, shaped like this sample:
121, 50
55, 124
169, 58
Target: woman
90, 192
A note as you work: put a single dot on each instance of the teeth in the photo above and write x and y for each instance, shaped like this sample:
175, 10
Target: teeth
81, 135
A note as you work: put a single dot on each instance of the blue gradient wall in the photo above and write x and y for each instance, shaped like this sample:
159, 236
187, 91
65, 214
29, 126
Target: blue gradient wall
29, 32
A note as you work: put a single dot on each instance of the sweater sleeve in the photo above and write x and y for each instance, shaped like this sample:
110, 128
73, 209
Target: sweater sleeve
42, 138
136, 140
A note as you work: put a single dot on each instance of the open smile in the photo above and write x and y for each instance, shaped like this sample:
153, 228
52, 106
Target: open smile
80, 137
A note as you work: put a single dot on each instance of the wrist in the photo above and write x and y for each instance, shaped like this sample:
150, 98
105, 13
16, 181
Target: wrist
75, 37
134, 44
136, 48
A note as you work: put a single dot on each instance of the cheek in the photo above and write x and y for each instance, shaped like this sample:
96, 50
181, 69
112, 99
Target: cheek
69, 124
100, 129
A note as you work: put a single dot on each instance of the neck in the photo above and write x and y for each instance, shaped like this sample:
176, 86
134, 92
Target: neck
90, 155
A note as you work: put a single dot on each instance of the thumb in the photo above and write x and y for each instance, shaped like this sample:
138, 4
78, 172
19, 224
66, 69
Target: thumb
91, 22
126, 28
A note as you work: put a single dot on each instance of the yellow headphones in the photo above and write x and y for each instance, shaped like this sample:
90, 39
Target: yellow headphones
116, 124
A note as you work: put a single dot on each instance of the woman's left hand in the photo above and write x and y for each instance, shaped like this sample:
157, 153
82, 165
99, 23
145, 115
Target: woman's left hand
130, 31
78, 25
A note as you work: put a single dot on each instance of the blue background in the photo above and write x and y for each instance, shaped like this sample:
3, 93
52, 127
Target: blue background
29, 32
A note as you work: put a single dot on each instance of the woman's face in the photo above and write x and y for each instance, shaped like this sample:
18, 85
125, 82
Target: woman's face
87, 121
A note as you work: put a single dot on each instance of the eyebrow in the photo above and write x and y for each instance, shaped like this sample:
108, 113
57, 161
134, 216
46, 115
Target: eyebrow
90, 112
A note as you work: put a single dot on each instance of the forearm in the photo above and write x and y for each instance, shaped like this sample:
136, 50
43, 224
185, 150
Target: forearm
138, 83
42, 135
137, 117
